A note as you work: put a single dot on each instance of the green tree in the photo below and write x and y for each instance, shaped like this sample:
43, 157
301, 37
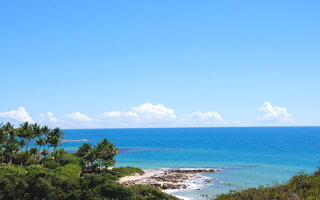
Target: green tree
46, 133
3, 139
36, 130
44, 155
41, 142
34, 156
11, 145
83, 152
22, 143
54, 138
106, 152
25, 132
59, 155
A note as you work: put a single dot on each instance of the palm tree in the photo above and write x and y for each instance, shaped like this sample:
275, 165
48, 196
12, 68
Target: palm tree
2, 140
83, 152
37, 131
34, 153
101, 154
58, 155
50, 139
41, 142
22, 143
25, 132
2, 134
56, 138
91, 156
45, 132
44, 154
11, 146
106, 151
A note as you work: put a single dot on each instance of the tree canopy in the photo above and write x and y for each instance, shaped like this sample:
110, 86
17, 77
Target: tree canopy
32, 167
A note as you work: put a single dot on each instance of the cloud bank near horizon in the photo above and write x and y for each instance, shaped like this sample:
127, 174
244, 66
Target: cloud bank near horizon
144, 115
20, 115
274, 113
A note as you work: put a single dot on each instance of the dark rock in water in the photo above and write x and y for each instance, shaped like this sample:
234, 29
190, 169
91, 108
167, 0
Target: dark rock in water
208, 180
195, 170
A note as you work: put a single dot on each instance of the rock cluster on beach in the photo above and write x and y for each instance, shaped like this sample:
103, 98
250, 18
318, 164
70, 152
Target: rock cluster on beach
165, 178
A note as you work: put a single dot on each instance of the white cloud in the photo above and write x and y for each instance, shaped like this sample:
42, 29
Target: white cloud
208, 115
48, 116
145, 112
201, 119
78, 117
151, 111
274, 113
144, 115
157, 115
119, 114
20, 115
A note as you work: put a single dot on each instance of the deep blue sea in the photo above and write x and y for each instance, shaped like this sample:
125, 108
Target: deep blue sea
249, 156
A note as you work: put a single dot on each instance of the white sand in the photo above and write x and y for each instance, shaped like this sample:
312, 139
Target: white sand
140, 178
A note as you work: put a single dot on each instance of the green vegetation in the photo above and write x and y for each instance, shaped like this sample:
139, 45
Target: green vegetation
116, 173
96, 157
304, 187
29, 144
33, 168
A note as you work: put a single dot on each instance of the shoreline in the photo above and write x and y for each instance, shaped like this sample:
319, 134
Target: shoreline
169, 180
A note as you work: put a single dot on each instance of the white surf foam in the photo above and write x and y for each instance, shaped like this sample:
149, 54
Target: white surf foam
184, 198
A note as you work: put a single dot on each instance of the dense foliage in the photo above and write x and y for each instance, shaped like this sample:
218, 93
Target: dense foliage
36, 182
299, 187
29, 144
30, 171
94, 158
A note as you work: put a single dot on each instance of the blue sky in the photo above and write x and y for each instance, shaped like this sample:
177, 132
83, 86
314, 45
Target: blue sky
160, 63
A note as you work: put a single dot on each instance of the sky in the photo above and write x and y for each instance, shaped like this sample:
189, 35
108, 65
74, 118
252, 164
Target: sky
181, 63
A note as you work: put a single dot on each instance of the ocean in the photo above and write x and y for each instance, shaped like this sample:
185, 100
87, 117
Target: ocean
248, 156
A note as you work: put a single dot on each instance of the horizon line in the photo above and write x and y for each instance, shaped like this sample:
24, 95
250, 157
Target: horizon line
273, 126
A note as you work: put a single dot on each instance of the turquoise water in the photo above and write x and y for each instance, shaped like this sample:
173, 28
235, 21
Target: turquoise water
248, 156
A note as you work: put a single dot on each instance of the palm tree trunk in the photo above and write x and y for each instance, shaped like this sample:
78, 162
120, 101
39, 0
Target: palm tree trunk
27, 145
10, 159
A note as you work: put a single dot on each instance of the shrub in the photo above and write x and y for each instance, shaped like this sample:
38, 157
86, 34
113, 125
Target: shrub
25, 183
145, 192
126, 171
301, 186
49, 163
72, 159
69, 171
114, 191
118, 172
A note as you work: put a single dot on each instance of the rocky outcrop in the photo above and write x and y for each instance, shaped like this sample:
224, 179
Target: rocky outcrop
165, 178
195, 171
